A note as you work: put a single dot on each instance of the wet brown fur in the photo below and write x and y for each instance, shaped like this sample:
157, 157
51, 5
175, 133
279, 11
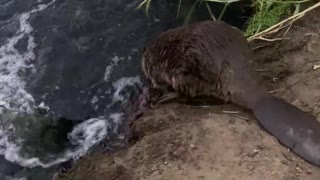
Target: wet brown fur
203, 59
212, 59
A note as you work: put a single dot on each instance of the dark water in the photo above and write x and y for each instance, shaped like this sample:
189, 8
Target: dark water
67, 69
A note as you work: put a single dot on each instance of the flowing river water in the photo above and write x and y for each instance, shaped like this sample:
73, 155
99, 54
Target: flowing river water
67, 70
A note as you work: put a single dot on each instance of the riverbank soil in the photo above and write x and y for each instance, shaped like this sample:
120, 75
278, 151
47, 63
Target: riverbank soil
177, 141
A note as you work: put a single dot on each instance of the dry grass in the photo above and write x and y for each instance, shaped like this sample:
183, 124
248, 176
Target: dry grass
283, 24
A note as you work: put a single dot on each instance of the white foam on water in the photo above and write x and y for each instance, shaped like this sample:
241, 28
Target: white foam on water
121, 84
108, 72
11, 153
94, 100
42, 105
83, 136
12, 87
92, 132
87, 134
13, 96
6, 4
114, 62
117, 119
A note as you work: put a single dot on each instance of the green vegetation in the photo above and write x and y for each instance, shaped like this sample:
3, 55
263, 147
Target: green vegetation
270, 12
266, 16
266, 12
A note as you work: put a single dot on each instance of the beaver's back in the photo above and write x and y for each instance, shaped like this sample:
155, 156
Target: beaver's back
211, 58
212, 53
208, 42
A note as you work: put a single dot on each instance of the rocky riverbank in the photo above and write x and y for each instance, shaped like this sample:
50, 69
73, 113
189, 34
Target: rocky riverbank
179, 141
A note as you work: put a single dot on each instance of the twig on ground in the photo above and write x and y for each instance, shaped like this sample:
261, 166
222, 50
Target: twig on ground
316, 67
277, 90
231, 112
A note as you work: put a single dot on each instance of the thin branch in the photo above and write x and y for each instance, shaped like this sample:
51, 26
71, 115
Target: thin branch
281, 24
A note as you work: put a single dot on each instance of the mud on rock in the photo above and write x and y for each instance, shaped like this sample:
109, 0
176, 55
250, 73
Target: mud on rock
178, 141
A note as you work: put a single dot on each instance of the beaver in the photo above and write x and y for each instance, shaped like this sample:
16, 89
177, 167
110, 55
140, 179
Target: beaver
211, 59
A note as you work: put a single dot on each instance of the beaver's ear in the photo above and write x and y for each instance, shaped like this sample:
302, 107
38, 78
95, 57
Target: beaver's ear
144, 49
